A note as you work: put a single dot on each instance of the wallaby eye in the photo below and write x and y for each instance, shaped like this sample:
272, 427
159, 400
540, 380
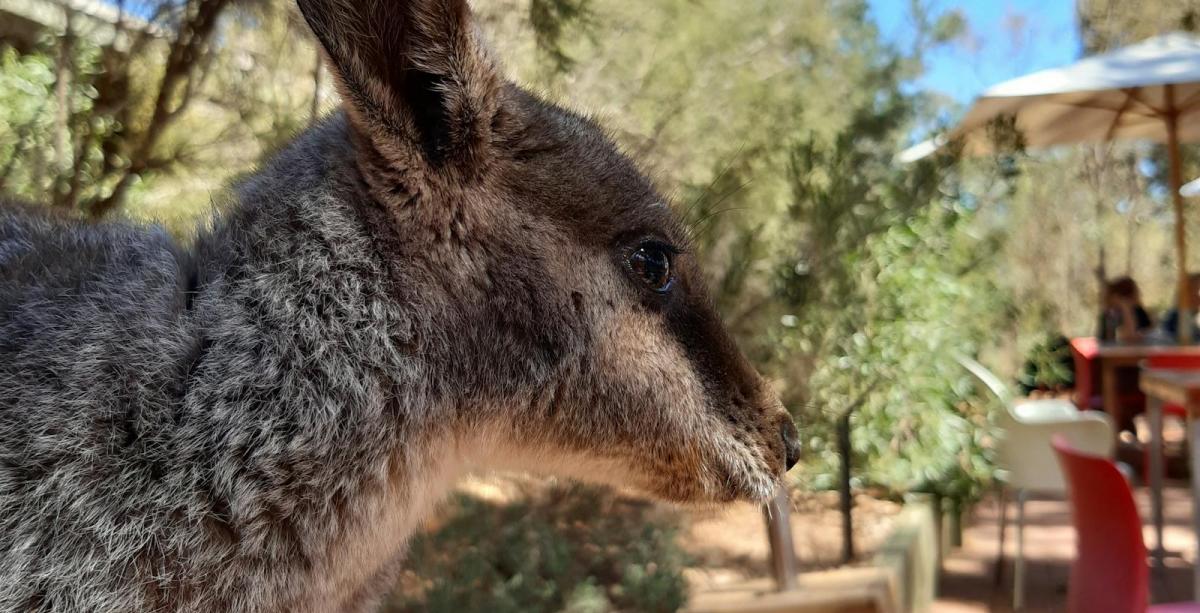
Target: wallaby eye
651, 262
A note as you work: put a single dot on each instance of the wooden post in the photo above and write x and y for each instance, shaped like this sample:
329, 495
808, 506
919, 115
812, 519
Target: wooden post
954, 522
1102, 281
1095, 170
1186, 316
779, 534
937, 501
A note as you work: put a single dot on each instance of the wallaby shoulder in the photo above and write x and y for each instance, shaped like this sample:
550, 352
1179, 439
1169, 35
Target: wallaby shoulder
208, 414
51, 264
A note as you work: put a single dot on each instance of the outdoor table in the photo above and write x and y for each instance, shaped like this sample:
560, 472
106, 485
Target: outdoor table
1181, 387
1121, 355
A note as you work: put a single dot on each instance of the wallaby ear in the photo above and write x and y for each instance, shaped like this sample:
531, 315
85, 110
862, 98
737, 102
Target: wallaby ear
413, 74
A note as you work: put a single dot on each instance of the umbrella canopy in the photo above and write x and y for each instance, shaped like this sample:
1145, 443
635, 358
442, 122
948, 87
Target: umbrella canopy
1191, 189
1147, 91
1124, 94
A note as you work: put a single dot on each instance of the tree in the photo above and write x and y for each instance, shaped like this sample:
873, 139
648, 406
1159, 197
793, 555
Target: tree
1108, 24
165, 112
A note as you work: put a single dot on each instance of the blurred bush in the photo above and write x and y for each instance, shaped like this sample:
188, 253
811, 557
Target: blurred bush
560, 548
1048, 366
924, 296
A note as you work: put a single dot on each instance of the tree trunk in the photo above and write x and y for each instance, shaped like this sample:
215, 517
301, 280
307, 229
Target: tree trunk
70, 200
845, 495
63, 72
173, 95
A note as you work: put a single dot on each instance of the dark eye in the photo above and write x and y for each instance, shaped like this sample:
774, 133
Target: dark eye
651, 263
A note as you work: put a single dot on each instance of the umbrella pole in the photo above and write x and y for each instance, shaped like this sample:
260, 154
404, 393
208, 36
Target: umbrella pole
1185, 319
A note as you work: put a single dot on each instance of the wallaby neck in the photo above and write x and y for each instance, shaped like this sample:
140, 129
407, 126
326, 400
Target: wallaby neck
327, 432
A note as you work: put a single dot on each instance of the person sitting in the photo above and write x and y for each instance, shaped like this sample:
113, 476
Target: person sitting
1170, 320
1124, 320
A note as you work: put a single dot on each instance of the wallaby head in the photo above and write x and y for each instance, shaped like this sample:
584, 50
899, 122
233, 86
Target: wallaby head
580, 331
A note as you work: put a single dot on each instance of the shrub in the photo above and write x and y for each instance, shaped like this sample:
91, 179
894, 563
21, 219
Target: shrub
559, 548
1048, 366
924, 296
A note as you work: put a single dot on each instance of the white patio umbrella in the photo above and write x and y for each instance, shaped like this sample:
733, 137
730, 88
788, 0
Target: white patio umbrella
1191, 189
1147, 91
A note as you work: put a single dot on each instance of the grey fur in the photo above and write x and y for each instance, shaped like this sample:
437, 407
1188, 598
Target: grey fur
255, 422
194, 414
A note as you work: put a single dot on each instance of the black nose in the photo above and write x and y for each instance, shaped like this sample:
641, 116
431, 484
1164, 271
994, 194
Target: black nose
791, 442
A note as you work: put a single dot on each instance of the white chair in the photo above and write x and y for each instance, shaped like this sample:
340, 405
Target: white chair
1025, 457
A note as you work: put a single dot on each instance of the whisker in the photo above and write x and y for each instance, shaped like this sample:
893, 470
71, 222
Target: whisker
695, 228
701, 229
736, 157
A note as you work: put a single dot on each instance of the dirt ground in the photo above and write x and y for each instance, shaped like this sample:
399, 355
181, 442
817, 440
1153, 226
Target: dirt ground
731, 546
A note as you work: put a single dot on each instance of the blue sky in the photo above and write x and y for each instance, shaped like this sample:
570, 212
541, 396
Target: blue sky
1005, 39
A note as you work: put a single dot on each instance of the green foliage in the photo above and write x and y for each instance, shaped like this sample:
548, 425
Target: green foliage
1048, 365
28, 126
158, 123
1108, 24
568, 548
924, 296
949, 26
26, 84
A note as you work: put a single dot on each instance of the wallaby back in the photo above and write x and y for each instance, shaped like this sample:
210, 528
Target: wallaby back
449, 275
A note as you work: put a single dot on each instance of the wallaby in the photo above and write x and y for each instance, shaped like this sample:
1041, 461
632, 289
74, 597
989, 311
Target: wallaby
448, 274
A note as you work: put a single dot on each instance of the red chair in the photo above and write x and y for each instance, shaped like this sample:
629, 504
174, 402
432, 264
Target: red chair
1110, 573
